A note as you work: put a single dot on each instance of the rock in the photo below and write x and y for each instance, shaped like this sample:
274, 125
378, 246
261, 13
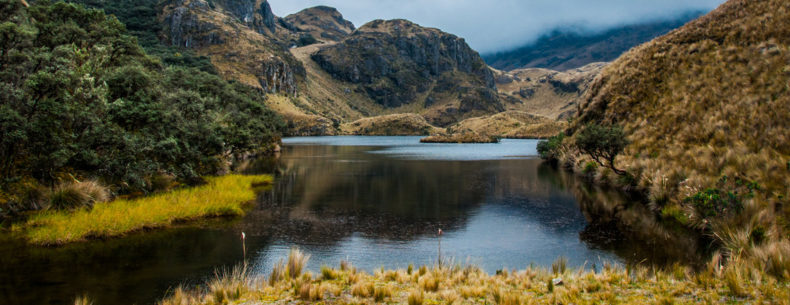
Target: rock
397, 61
321, 22
557, 282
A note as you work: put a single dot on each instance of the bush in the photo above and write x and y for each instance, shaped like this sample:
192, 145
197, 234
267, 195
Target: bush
550, 149
603, 144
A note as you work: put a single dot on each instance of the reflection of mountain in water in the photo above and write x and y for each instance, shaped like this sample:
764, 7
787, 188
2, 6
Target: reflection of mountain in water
622, 224
331, 192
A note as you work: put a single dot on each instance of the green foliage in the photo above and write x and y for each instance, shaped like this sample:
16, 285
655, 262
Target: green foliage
80, 95
550, 149
725, 199
140, 18
602, 144
590, 167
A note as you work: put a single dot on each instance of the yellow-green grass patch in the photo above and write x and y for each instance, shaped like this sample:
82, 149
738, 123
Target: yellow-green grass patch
221, 196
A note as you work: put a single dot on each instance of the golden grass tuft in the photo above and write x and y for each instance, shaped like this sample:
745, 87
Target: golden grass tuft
83, 300
470, 285
297, 260
222, 196
416, 297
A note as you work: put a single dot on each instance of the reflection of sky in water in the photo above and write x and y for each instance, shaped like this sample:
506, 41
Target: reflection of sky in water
495, 237
510, 229
410, 148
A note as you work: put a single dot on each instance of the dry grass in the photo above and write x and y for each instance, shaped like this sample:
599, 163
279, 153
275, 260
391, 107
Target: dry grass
222, 196
511, 124
708, 100
76, 195
464, 137
737, 282
390, 125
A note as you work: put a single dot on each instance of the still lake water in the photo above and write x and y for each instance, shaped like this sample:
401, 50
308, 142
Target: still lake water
374, 201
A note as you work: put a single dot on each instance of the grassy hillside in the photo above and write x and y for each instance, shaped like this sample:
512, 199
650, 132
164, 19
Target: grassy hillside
706, 110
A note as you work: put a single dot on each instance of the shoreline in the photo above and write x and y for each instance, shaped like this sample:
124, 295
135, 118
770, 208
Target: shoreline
224, 196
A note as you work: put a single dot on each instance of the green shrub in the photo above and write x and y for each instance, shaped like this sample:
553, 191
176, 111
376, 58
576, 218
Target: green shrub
590, 167
550, 149
603, 144
714, 202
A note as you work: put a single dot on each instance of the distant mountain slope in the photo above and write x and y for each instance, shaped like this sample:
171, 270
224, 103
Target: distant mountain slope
567, 49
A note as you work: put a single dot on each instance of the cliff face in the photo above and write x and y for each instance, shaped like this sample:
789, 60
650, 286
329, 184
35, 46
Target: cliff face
242, 38
398, 63
322, 23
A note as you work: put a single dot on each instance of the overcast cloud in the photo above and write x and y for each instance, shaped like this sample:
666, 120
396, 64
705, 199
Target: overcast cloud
494, 25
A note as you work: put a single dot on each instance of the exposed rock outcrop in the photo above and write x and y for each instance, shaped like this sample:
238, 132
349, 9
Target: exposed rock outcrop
241, 38
322, 23
400, 63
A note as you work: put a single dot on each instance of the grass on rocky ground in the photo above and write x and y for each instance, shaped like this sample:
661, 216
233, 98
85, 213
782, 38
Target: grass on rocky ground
456, 284
221, 196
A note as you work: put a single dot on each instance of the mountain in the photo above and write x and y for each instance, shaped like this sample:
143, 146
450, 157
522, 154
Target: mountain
548, 93
321, 23
564, 49
399, 64
324, 76
706, 109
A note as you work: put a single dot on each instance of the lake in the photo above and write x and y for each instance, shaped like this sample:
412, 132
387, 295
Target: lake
376, 202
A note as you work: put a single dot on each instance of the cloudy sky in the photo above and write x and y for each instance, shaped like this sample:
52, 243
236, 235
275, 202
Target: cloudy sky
492, 25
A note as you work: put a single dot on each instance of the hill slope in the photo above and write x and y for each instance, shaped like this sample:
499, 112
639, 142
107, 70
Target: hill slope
707, 108
566, 49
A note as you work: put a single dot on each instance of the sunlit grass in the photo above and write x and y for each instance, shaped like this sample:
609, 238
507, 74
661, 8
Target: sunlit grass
221, 196
734, 283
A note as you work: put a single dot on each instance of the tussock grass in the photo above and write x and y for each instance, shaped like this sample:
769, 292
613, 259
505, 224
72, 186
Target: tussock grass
706, 101
77, 195
736, 282
221, 196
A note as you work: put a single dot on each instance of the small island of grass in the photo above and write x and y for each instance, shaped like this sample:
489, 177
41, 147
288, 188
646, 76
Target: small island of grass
221, 196
466, 137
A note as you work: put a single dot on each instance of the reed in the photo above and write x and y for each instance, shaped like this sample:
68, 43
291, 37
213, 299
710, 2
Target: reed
221, 196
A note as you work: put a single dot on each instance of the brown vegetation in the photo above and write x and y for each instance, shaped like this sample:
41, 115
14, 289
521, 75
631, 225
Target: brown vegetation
706, 110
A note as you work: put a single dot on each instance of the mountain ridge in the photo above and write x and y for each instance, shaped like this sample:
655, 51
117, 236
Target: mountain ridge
564, 49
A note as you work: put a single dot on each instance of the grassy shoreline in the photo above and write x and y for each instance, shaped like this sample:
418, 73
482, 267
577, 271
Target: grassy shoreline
221, 196
456, 284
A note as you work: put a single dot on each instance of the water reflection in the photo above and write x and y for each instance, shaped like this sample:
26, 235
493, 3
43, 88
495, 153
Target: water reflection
377, 202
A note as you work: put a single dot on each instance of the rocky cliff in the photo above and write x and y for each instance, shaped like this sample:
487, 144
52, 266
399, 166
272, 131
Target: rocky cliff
400, 64
243, 38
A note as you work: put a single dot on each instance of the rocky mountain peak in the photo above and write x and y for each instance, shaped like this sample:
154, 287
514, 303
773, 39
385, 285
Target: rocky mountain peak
321, 22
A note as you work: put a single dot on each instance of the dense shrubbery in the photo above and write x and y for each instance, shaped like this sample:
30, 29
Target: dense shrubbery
79, 95
140, 18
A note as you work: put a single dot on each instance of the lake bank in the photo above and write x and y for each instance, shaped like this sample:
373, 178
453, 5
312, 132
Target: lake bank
221, 196
458, 284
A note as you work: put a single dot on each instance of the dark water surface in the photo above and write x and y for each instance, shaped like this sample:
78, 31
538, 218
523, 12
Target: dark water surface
375, 201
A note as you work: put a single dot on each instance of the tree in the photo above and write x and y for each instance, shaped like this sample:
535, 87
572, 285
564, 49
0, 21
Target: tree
602, 144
